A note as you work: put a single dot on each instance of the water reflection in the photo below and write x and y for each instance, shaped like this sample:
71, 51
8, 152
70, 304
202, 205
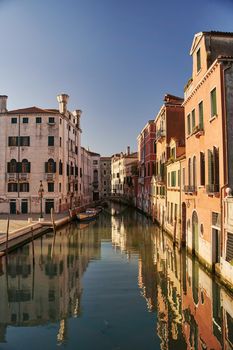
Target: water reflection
192, 311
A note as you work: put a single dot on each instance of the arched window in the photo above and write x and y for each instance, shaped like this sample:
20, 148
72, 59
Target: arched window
12, 166
25, 166
50, 166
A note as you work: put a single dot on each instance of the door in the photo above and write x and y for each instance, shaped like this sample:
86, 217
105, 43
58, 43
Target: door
49, 204
24, 206
13, 206
215, 246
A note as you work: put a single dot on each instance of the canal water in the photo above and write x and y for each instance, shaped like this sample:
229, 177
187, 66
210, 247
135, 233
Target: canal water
116, 283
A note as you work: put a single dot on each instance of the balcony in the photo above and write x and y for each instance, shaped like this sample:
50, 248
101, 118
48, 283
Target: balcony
12, 177
198, 130
23, 176
160, 134
49, 177
190, 189
212, 189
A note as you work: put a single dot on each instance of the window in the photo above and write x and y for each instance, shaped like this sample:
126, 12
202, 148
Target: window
60, 121
200, 110
194, 172
12, 187
173, 152
60, 140
76, 170
168, 179
95, 162
50, 166
60, 167
50, 186
173, 178
213, 101
13, 120
213, 170
25, 120
38, 120
12, 166
24, 187
189, 172
193, 119
50, 140
202, 169
51, 120
59, 187
25, 166
104, 172
198, 60
24, 140
12, 141
178, 177
189, 124
175, 212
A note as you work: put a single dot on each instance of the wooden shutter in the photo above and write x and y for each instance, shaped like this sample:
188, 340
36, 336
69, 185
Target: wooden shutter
46, 167
216, 166
54, 167
29, 167
210, 167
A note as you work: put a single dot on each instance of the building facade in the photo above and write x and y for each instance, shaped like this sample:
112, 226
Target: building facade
105, 176
146, 159
118, 170
40, 158
208, 127
169, 124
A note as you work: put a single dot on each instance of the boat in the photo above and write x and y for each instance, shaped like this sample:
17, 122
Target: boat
88, 215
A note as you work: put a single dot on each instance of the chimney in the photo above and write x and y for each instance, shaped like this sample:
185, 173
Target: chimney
62, 100
77, 113
128, 151
3, 102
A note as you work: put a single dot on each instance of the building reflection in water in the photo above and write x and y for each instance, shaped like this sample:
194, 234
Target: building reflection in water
192, 311
50, 289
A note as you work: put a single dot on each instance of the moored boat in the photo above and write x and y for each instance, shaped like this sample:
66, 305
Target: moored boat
88, 215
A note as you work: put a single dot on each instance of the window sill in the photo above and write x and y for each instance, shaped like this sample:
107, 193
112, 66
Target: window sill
213, 118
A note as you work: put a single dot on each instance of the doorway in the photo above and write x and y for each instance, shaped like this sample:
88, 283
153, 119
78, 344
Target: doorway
13, 206
24, 206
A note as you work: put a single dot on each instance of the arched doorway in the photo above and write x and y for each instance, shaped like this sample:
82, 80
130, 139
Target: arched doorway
183, 225
194, 233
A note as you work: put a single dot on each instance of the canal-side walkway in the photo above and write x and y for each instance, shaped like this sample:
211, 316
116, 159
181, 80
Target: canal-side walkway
25, 227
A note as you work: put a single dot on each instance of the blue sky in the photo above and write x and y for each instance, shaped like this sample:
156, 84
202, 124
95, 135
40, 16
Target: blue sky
115, 58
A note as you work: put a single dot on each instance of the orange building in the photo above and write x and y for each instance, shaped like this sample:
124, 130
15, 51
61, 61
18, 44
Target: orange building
205, 174
169, 124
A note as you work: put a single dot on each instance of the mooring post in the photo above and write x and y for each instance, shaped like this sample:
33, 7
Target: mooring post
7, 234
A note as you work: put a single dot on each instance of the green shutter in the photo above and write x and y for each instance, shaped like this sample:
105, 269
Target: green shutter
193, 119
216, 166
213, 103
210, 167
189, 125
201, 121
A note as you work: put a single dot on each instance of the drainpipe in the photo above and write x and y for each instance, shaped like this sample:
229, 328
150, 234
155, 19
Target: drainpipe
225, 154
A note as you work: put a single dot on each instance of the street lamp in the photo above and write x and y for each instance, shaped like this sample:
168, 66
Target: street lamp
41, 193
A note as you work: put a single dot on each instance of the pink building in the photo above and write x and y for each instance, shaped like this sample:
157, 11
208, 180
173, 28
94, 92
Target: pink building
147, 157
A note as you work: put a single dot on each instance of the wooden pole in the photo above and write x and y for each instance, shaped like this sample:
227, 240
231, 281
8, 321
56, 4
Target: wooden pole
7, 234
52, 219
33, 250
